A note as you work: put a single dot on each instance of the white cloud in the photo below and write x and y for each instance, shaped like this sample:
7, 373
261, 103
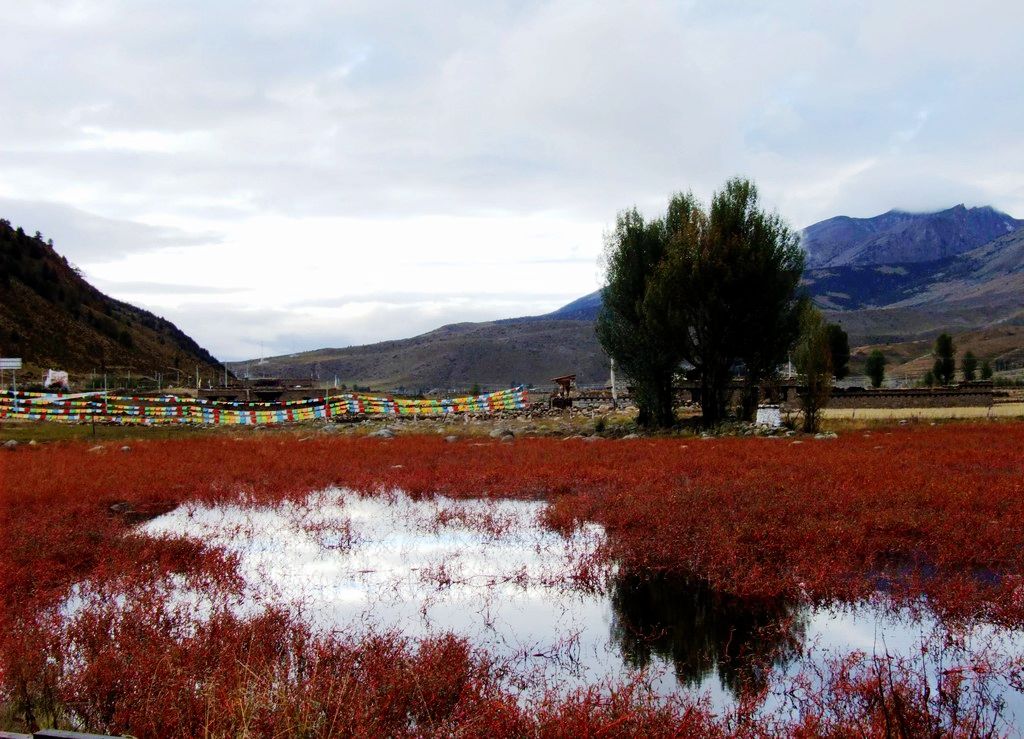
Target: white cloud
272, 147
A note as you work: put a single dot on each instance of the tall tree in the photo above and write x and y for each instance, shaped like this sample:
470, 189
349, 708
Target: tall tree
814, 364
945, 359
733, 274
839, 347
874, 368
986, 370
632, 323
969, 366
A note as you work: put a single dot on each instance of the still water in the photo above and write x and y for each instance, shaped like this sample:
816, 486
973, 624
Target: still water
537, 601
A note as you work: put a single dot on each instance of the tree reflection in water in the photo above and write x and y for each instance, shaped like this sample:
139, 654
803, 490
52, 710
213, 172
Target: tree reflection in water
701, 631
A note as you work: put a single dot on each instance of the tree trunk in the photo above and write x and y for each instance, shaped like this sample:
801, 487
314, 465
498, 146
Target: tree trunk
751, 397
656, 403
666, 404
713, 400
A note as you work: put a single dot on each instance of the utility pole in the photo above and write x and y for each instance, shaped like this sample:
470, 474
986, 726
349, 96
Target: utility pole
615, 394
197, 378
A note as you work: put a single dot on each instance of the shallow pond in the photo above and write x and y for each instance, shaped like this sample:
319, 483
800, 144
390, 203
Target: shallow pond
540, 603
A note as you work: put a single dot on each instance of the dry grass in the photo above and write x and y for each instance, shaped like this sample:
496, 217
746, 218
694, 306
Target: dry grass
1000, 410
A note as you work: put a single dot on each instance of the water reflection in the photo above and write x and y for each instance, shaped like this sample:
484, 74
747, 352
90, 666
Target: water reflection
489, 571
703, 633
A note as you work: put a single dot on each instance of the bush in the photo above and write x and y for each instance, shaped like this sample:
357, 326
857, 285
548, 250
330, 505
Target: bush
875, 368
945, 362
969, 365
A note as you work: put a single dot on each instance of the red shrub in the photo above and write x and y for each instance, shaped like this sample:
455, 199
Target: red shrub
933, 511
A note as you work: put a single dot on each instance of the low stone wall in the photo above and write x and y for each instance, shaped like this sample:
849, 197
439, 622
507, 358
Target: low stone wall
913, 398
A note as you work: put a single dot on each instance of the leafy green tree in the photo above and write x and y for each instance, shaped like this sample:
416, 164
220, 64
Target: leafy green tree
839, 347
945, 359
929, 379
969, 366
874, 367
729, 289
813, 360
633, 325
986, 370
717, 287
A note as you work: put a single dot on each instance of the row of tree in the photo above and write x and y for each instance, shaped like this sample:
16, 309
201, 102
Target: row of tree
943, 369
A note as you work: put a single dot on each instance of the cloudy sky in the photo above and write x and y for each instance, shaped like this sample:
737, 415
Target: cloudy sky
276, 176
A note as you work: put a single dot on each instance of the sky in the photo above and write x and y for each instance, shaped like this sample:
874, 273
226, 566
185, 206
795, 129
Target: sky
280, 176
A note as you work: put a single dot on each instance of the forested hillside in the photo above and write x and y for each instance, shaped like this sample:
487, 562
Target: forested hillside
53, 318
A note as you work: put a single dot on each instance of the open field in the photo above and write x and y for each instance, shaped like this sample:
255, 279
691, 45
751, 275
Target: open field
113, 619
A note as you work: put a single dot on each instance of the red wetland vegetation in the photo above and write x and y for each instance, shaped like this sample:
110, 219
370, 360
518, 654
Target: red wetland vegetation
921, 518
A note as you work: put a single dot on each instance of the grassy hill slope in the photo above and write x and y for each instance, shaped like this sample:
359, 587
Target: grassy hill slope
493, 354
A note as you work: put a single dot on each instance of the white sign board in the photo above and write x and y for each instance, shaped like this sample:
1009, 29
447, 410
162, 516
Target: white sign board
769, 416
10, 363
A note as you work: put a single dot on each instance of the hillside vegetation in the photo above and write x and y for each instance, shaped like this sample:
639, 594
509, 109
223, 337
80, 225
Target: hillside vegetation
52, 318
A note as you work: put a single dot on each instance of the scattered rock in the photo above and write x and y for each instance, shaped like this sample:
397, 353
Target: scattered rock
827, 435
508, 438
11, 444
631, 436
500, 432
33, 442
126, 448
97, 448
591, 438
140, 513
384, 433
797, 442
330, 428
451, 439
574, 436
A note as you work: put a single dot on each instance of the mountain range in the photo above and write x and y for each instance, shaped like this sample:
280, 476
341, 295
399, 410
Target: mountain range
898, 237
52, 318
893, 281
